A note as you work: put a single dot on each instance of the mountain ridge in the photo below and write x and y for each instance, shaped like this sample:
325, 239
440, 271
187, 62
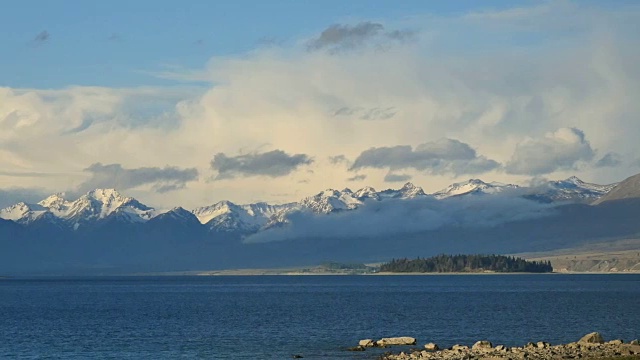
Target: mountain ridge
345, 226
626, 189
228, 217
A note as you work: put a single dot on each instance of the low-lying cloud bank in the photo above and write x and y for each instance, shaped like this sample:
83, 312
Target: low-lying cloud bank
395, 217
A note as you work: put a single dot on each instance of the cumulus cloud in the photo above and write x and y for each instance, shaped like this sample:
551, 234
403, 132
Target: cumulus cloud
274, 164
610, 159
393, 217
562, 149
341, 37
445, 156
115, 176
519, 80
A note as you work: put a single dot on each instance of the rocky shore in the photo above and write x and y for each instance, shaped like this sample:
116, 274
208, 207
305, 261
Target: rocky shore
590, 346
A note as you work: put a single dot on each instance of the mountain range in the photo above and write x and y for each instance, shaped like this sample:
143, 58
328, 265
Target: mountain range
102, 205
105, 231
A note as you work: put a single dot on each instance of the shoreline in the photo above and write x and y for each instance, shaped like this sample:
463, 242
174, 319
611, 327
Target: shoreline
293, 273
266, 272
590, 346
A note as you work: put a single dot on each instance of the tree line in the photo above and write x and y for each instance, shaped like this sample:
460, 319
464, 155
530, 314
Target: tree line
466, 263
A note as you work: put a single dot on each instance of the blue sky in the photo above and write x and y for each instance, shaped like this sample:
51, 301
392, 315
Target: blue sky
189, 103
114, 43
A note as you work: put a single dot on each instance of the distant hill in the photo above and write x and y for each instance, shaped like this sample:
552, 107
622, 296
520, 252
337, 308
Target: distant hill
627, 189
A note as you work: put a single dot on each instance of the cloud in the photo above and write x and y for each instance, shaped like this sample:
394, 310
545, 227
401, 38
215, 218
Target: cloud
610, 159
391, 177
342, 37
115, 37
338, 159
345, 36
562, 149
491, 81
359, 177
28, 174
374, 113
274, 164
445, 156
401, 35
394, 217
42, 37
162, 180
14, 195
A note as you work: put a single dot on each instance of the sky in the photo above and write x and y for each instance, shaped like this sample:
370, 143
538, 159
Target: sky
188, 104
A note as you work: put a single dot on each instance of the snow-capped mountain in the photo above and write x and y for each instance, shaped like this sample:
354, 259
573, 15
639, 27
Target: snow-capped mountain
92, 206
569, 190
23, 213
366, 192
472, 186
408, 191
226, 216
331, 200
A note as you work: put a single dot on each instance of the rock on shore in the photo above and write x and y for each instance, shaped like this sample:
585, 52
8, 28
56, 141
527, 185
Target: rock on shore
590, 346
384, 342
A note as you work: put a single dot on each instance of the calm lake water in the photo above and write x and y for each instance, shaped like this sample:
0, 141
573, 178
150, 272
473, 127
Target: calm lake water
274, 317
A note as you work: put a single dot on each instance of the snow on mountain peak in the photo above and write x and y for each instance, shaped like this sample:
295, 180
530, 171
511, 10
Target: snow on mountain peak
409, 190
575, 180
330, 193
330, 201
571, 189
366, 192
15, 212
54, 201
22, 212
96, 204
472, 186
228, 217
110, 197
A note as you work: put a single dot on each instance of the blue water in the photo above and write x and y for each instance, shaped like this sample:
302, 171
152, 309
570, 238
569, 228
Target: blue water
273, 317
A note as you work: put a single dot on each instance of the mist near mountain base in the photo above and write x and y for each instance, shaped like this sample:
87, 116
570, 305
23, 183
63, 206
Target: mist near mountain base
376, 218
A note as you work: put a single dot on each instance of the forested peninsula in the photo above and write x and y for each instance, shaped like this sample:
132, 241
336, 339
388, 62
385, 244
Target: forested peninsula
466, 264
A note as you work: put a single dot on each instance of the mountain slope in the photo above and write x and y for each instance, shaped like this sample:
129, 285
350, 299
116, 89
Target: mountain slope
627, 189
228, 217
472, 186
119, 234
569, 190
91, 207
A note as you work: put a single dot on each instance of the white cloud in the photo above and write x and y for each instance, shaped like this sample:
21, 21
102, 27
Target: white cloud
562, 149
393, 217
499, 79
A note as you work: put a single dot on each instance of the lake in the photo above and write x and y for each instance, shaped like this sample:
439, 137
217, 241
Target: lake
274, 317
